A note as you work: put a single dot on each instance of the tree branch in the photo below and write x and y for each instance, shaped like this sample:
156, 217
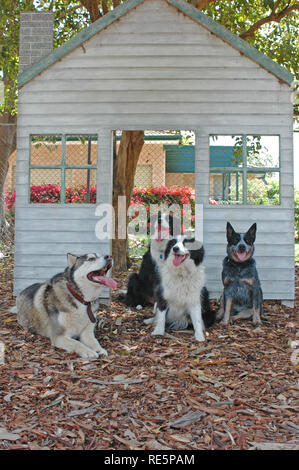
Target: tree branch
200, 4
276, 17
105, 7
67, 12
93, 8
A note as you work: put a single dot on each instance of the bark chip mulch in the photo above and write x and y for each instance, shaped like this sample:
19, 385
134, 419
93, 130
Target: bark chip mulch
238, 390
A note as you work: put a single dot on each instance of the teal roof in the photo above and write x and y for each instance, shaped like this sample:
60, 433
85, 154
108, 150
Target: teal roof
187, 9
182, 159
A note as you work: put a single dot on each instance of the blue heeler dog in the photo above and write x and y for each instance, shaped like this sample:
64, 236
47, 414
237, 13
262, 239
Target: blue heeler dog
242, 294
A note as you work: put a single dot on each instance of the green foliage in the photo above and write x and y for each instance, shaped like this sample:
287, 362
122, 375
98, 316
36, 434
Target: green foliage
263, 191
277, 40
138, 246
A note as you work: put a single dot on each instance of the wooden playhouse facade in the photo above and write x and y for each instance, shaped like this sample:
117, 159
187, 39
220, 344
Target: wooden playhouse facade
152, 65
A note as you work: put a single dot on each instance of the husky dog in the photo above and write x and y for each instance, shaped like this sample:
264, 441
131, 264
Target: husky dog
62, 308
183, 297
242, 294
142, 285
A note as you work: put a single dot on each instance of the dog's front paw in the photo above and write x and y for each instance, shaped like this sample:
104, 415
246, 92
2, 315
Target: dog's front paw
224, 322
157, 332
149, 321
199, 337
87, 353
102, 352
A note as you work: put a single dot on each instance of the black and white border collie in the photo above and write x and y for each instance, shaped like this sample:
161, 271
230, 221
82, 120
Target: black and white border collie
182, 296
142, 285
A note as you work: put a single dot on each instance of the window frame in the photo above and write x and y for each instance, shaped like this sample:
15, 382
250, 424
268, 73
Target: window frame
244, 169
63, 166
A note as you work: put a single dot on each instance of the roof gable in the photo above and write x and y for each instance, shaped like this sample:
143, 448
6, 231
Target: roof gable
202, 19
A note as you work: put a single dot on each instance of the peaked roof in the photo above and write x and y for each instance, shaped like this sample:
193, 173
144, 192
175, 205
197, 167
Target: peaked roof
190, 11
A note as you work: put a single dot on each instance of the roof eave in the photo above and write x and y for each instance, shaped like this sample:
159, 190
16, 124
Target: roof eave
242, 46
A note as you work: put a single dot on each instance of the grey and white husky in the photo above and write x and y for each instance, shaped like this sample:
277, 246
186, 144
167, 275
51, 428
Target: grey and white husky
63, 307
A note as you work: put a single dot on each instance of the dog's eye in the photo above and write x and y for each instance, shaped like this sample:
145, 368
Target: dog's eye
235, 239
248, 239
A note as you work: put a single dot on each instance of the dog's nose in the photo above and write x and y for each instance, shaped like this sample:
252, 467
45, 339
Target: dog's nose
176, 249
108, 258
241, 248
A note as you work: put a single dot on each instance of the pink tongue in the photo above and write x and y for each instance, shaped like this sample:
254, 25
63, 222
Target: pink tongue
241, 256
107, 281
178, 259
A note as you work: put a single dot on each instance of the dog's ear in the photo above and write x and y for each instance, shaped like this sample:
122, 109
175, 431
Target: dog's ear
251, 233
71, 259
229, 231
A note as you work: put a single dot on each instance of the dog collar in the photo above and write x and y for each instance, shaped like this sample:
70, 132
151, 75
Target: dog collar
82, 301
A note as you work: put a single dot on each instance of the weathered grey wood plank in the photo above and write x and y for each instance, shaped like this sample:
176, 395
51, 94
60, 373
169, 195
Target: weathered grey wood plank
187, 96
174, 84
61, 248
92, 50
249, 216
265, 274
54, 109
119, 122
268, 286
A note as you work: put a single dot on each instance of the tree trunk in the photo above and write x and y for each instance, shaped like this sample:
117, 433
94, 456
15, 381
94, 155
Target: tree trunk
124, 167
7, 146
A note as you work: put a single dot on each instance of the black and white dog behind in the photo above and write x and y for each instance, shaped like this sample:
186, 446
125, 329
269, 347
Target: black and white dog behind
142, 285
242, 293
182, 295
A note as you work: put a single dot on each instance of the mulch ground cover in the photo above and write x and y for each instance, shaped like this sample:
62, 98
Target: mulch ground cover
238, 390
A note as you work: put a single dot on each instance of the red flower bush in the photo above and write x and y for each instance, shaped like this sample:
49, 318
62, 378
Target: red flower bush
50, 194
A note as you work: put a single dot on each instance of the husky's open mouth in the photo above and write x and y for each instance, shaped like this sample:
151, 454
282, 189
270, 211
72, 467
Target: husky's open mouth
241, 256
179, 259
99, 277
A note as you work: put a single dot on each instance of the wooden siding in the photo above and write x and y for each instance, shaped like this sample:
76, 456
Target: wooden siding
155, 69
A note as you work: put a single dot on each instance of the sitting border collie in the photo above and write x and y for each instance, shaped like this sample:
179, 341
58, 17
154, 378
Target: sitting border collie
182, 296
242, 294
142, 285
